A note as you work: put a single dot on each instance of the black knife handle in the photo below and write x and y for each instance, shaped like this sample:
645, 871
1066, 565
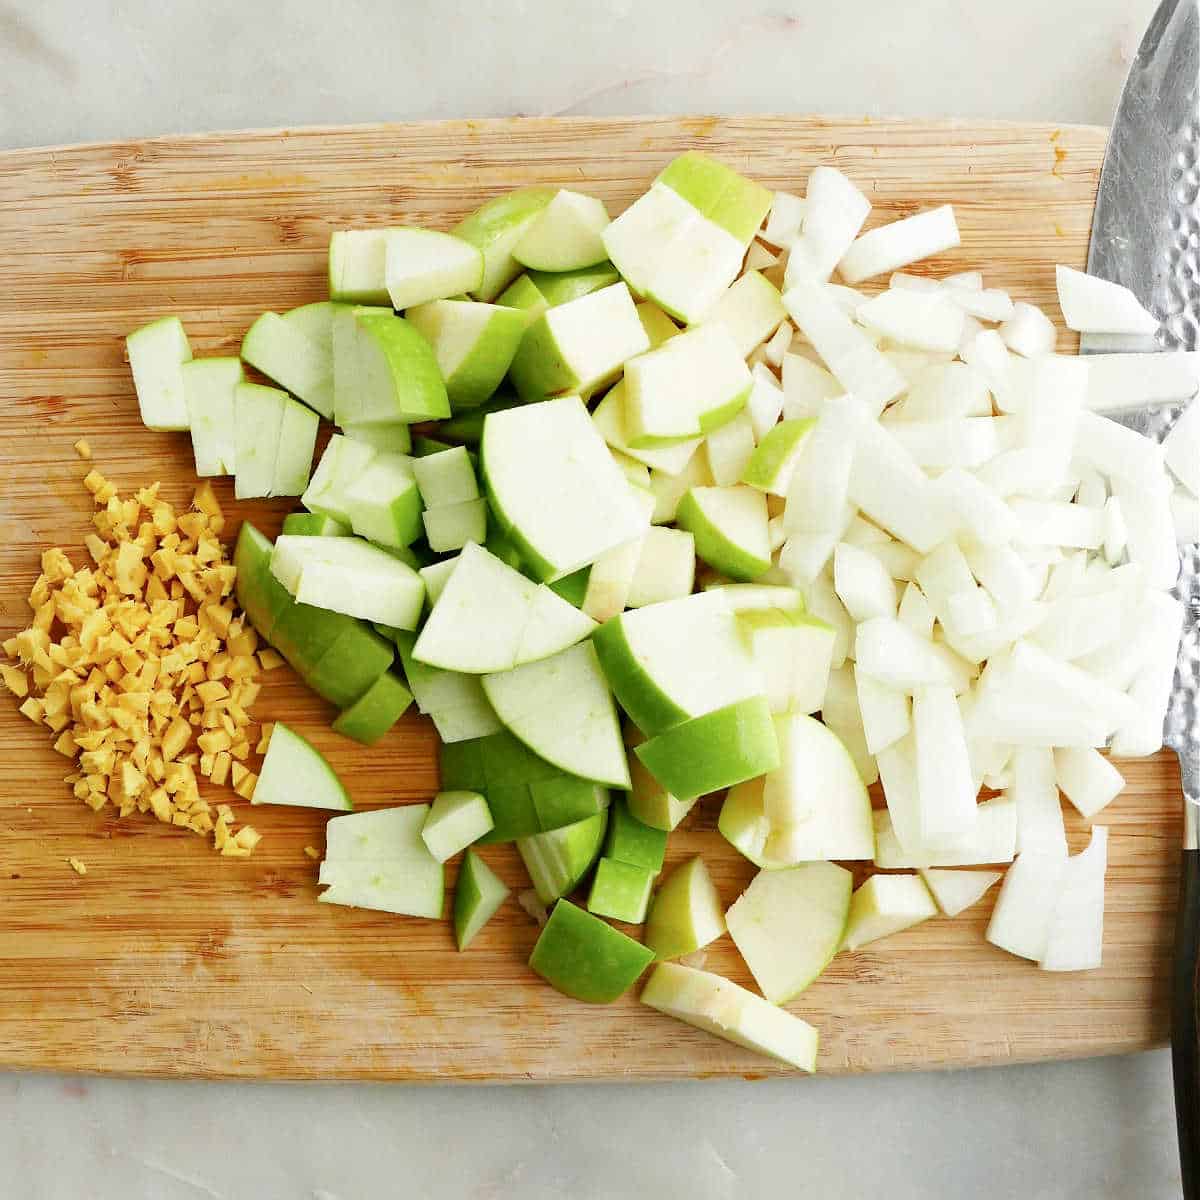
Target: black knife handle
1185, 1024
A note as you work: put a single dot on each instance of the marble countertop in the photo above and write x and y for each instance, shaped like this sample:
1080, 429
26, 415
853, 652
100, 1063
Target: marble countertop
119, 68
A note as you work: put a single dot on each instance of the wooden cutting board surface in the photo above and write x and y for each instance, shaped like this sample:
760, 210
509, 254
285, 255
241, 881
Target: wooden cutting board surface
167, 960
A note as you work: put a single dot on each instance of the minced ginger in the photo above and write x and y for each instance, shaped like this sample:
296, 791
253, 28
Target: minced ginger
141, 666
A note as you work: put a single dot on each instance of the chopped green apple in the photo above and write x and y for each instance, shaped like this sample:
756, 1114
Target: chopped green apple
358, 266
491, 618
646, 798
729, 449
536, 291
315, 321
658, 326
579, 346
435, 576
553, 449
467, 427
666, 568
715, 751
730, 528
347, 368
295, 772
609, 418
632, 841
620, 891
609, 580
495, 229
156, 353
342, 464
351, 665
774, 459
474, 344
375, 711
306, 524
743, 824
722, 1008
259, 594
686, 912
956, 891
585, 958
294, 454
751, 309
384, 502
478, 894
572, 588
669, 490
558, 859
789, 924
455, 820
562, 709
452, 526
456, 702
386, 439
398, 377
446, 477
886, 904
565, 235
286, 354
303, 634
423, 265
208, 386
793, 653
258, 421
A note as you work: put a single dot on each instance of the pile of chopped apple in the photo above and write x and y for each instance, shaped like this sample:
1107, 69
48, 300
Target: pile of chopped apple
730, 526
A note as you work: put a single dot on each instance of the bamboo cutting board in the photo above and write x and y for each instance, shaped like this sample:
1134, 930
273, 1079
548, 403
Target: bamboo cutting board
167, 960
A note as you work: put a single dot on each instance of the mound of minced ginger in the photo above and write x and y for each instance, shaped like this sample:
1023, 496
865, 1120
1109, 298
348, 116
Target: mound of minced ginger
141, 666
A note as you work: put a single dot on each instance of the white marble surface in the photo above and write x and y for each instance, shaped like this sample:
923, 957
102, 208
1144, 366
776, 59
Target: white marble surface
72, 71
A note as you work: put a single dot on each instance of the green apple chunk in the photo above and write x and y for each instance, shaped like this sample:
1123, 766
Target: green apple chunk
730, 528
658, 326
421, 265
793, 653
775, 457
553, 449
815, 800
495, 229
668, 663
579, 346
788, 924
349, 576
720, 1007
435, 576
347, 368
378, 860
342, 464
258, 422
384, 502
743, 824
751, 309
478, 894
351, 665
285, 353
491, 618
565, 235
536, 291
306, 524
690, 385
609, 418
452, 526
208, 386
156, 353
886, 904
686, 912
315, 321
715, 751
446, 477
474, 344
358, 266
456, 702
303, 634
632, 841
669, 490
386, 439
295, 772
620, 891
572, 588
259, 594
583, 957
562, 709
525, 295
647, 799
293, 456
719, 193
397, 375
666, 568
455, 820
375, 711
558, 859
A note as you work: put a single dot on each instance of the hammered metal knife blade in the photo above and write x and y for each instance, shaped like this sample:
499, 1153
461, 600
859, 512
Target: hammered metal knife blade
1146, 235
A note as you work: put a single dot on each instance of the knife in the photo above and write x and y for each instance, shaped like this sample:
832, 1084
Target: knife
1146, 235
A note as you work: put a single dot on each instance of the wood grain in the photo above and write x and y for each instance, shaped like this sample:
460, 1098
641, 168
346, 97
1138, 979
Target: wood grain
166, 960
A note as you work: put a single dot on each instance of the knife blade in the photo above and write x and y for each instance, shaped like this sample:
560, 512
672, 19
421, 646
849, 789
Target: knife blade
1146, 235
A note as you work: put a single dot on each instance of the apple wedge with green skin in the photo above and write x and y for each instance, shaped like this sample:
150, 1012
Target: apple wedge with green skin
743, 824
208, 386
455, 820
421, 265
351, 666
398, 376
565, 235
789, 924
286, 354
553, 449
258, 422
794, 654
722, 1008
478, 895
691, 385
956, 891
491, 618
632, 841
585, 958
474, 345
307, 524
620, 891
385, 439
495, 228
815, 800
375, 711
646, 798
609, 418
580, 346
358, 266
342, 464
668, 663
303, 634
347, 369
730, 528
562, 709
774, 459
558, 859
156, 354
446, 477
686, 912
296, 773
536, 291
886, 904
294, 454
715, 751
384, 502
259, 594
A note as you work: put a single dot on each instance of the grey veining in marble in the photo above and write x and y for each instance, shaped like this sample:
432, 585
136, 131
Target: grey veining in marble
75, 70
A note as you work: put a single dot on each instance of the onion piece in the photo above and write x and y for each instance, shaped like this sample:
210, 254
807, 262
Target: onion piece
890, 247
1093, 305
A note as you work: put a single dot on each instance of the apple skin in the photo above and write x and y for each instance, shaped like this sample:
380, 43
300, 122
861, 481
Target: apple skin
737, 204
262, 597
632, 841
355, 660
303, 634
295, 772
686, 912
477, 895
647, 705
712, 543
558, 859
620, 891
585, 958
375, 711
495, 228
417, 391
